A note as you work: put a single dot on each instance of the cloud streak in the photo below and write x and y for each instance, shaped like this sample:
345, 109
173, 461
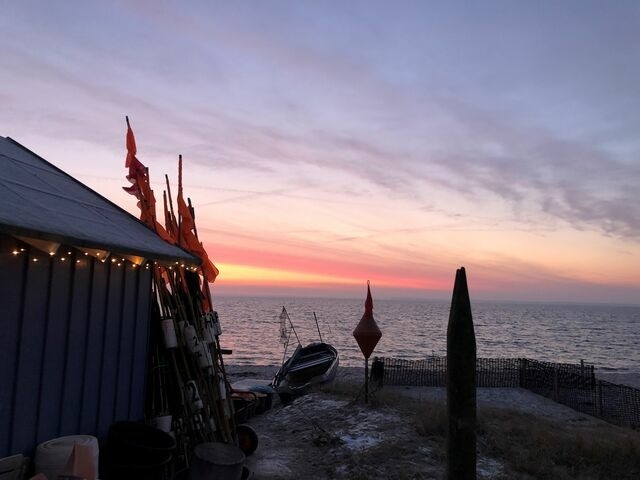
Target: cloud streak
426, 130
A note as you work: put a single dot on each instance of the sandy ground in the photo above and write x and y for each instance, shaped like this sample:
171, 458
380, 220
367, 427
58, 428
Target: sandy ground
323, 435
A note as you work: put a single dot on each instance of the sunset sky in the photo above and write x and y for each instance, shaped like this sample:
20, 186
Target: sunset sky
330, 143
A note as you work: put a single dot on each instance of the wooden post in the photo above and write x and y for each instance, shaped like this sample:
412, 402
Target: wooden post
366, 380
461, 385
556, 386
599, 401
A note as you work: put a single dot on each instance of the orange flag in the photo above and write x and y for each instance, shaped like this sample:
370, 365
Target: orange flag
189, 241
141, 189
187, 237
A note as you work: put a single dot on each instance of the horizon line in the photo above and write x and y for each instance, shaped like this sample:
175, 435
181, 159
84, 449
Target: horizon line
412, 298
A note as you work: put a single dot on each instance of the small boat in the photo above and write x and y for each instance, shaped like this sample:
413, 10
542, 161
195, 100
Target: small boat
309, 366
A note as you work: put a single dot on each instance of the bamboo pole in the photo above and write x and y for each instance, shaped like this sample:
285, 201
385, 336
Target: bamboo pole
216, 346
171, 211
202, 380
189, 369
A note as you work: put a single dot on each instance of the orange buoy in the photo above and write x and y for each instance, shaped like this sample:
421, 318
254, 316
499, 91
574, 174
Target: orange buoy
367, 333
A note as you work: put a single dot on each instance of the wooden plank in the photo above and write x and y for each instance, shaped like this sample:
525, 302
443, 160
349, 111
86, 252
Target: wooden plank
111, 351
78, 330
140, 353
29, 363
12, 288
127, 344
54, 351
94, 349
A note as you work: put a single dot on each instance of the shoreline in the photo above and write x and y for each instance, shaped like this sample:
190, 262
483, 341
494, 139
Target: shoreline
351, 374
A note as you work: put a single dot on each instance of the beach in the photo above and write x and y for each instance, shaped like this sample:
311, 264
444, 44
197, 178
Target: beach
517, 399
332, 433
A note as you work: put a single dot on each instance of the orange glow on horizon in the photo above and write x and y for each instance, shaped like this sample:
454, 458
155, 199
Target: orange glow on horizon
244, 275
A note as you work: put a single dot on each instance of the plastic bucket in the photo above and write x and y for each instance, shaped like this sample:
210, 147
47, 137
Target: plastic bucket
113, 469
51, 456
216, 460
136, 444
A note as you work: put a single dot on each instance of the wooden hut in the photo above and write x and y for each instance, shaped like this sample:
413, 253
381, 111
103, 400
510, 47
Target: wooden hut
75, 296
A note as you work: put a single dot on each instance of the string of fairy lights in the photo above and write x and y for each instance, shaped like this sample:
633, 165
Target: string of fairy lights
70, 254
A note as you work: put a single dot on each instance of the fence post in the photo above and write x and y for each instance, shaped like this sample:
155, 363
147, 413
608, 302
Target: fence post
522, 380
599, 402
556, 386
377, 372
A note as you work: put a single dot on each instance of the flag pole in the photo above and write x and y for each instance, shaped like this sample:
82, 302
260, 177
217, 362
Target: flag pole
195, 231
174, 223
317, 326
179, 193
366, 380
218, 351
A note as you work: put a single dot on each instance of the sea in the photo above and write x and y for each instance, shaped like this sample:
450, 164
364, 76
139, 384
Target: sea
606, 336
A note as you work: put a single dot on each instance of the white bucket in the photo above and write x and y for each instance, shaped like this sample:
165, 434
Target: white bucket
204, 356
208, 330
193, 395
51, 456
216, 324
169, 333
163, 423
191, 337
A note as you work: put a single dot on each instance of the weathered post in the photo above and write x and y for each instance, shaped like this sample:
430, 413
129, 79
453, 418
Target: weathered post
367, 334
461, 384
522, 383
599, 401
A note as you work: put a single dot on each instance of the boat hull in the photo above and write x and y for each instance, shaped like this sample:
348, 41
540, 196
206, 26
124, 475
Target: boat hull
308, 367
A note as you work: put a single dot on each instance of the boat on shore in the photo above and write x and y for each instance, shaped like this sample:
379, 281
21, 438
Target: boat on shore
310, 366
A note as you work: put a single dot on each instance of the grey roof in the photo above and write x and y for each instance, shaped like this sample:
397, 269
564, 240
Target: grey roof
39, 200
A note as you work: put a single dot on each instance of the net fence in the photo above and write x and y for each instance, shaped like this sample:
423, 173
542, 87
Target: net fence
574, 385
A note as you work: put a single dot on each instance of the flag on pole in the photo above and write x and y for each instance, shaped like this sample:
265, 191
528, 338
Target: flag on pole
141, 188
186, 234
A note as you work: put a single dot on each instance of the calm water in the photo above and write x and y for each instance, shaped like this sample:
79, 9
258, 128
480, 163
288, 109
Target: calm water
607, 336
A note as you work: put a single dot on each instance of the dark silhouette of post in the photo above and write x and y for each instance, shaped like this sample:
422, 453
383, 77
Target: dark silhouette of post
461, 384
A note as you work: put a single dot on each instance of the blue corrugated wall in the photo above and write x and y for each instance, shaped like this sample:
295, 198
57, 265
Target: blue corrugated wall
73, 345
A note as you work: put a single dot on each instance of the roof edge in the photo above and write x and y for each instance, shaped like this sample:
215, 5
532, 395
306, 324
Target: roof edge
12, 230
76, 242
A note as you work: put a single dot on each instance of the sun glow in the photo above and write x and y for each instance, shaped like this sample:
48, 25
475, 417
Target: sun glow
236, 274
242, 275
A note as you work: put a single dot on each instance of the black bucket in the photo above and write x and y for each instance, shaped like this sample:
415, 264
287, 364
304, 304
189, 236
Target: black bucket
241, 411
219, 461
135, 450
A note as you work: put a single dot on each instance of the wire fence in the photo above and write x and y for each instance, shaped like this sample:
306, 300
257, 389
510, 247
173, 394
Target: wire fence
574, 385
